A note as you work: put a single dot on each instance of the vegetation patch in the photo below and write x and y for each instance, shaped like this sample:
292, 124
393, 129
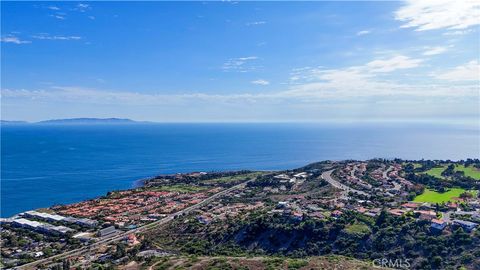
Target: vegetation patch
233, 178
436, 171
469, 171
358, 229
180, 188
296, 263
432, 196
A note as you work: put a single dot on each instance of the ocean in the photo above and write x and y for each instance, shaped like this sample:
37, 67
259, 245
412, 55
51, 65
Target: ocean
44, 165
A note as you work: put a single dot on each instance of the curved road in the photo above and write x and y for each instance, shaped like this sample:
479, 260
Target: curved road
327, 176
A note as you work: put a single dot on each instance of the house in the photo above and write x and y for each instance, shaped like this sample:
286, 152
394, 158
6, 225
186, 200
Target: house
38, 254
410, 205
297, 216
425, 206
336, 213
282, 205
397, 212
467, 225
131, 239
438, 224
452, 205
301, 175
426, 215
362, 210
204, 219
107, 231
87, 222
83, 236
317, 214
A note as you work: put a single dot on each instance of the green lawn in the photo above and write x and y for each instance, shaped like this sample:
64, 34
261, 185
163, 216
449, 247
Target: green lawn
179, 188
227, 179
358, 228
436, 171
469, 171
435, 197
416, 165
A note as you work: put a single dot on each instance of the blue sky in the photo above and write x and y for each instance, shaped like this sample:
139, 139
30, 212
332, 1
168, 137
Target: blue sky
241, 61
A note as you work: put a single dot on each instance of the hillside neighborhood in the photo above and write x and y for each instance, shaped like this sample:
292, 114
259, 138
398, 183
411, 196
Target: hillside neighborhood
170, 216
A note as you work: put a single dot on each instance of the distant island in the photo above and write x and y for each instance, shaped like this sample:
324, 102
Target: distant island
77, 121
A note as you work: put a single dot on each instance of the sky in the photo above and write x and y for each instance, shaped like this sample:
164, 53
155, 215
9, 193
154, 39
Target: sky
241, 61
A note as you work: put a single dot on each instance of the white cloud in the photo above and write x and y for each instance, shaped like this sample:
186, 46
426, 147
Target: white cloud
255, 23
467, 72
394, 63
260, 82
241, 64
82, 7
53, 8
438, 14
435, 50
44, 36
14, 39
57, 16
458, 32
363, 32
368, 81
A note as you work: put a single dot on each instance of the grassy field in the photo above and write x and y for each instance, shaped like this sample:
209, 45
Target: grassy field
179, 188
469, 171
415, 165
227, 179
437, 171
436, 197
357, 228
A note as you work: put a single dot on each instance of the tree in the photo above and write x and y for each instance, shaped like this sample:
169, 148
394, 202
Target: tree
66, 264
120, 251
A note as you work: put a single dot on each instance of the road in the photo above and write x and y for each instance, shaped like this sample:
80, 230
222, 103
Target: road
327, 176
385, 173
118, 237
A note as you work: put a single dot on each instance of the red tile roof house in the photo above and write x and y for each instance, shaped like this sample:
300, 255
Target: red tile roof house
396, 212
452, 205
336, 213
410, 205
297, 216
438, 224
426, 215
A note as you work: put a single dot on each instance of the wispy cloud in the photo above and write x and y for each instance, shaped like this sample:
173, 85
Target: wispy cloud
437, 14
241, 64
458, 32
53, 8
58, 16
435, 50
14, 40
82, 7
394, 63
260, 82
467, 72
45, 36
255, 23
363, 32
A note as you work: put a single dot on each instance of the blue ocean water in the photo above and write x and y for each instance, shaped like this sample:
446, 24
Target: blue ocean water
43, 165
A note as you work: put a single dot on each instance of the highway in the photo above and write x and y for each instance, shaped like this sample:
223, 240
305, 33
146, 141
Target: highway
118, 237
